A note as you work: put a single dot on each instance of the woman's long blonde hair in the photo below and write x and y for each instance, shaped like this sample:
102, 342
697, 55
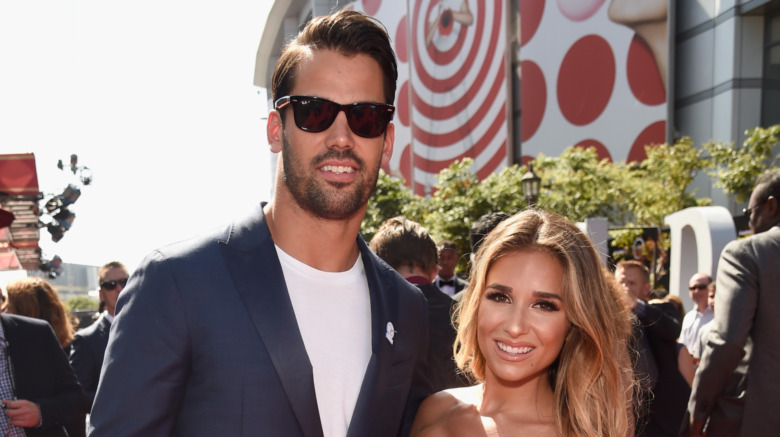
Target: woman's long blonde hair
592, 378
34, 297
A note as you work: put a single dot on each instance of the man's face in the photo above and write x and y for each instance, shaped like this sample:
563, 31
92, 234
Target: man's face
331, 174
109, 296
697, 288
633, 283
448, 260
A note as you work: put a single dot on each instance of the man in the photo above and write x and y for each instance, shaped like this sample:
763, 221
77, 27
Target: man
664, 390
701, 314
39, 392
410, 250
747, 300
89, 344
284, 323
447, 281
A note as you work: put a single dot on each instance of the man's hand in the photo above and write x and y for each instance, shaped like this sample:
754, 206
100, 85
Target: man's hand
22, 413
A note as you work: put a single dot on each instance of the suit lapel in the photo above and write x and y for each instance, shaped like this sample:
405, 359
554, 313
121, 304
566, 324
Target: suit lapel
251, 258
384, 308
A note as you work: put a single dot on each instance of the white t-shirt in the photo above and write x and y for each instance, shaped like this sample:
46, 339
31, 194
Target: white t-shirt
333, 311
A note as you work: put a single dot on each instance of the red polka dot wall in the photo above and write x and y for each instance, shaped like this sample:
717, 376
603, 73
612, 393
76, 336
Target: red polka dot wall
586, 79
590, 76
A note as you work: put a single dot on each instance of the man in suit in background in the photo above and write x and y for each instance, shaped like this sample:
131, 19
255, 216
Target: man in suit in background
664, 390
447, 281
746, 311
38, 390
89, 344
410, 250
285, 323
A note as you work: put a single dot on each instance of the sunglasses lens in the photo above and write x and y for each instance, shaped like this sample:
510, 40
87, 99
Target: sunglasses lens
368, 120
111, 285
313, 115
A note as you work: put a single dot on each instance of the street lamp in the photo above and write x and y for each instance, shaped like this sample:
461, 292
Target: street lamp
531, 183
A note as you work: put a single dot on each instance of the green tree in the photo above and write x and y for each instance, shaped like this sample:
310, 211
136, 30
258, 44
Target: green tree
451, 208
658, 186
737, 168
578, 185
387, 201
502, 191
82, 303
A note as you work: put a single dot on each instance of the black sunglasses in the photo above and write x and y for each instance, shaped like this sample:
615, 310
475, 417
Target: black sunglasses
314, 114
111, 285
698, 287
749, 211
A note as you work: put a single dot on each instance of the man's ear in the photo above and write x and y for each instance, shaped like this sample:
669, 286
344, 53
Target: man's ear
387, 144
773, 206
434, 271
275, 131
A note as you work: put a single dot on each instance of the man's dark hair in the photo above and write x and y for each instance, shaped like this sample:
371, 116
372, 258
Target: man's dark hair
448, 245
483, 226
346, 32
402, 242
769, 184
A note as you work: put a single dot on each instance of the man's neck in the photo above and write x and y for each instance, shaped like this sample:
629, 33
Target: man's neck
420, 276
327, 245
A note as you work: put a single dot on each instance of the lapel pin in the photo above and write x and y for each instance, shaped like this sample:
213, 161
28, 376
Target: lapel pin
390, 332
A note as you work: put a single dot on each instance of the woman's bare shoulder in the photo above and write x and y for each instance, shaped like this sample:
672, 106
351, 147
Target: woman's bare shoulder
449, 413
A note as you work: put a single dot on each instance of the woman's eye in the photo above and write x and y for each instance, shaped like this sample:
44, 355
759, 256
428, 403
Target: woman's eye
546, 305
498, 296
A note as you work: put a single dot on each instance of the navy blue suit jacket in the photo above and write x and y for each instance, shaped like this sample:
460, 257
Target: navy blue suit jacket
205, 343
86, 355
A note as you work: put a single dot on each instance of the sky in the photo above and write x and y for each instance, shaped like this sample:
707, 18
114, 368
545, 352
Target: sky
155, 97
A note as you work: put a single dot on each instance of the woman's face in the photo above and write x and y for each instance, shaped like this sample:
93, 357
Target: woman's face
521, 322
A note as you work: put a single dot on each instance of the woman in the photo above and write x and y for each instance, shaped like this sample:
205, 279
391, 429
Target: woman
545, 331
36, 298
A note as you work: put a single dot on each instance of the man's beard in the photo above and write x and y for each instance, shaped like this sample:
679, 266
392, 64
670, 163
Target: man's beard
333, 201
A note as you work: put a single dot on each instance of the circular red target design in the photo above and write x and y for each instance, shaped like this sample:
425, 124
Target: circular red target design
458, 85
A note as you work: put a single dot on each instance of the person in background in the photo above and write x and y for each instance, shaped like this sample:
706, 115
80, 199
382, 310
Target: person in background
656, 329
701, 312
544, 329
477, 232
36, 298
283, 323
746, 324
89, 344
410, 250
685, 362
482, 226
446, 280
39, 392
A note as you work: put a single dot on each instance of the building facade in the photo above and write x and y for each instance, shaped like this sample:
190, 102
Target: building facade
709, 70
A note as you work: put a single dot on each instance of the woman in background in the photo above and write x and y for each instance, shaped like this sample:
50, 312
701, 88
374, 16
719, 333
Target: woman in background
36, 298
